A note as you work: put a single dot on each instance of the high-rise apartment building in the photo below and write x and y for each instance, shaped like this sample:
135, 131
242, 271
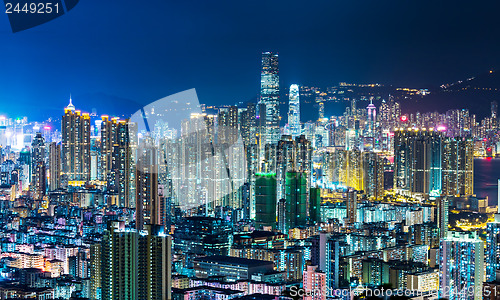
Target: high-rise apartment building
461, 266
134, 264
265, 200
75, 129
38, 169
417, 161
457, 166
146, 184
54, 166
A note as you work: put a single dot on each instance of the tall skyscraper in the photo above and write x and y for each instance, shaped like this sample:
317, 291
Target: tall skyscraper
493, 246
54, 166
461, 266
295, 200
371, 119
265, 200
493, 249
417, 161
75, 129
134, 264
373, 175
458, 166
117, 159
269, 96
294, 111
146, 183
443, 207
38, 175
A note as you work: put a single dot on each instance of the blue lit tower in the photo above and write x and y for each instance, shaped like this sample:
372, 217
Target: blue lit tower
461, 266
269, 95
294, 111
493, 247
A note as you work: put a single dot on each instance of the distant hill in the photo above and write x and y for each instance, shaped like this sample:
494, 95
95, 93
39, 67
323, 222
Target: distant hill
475, 93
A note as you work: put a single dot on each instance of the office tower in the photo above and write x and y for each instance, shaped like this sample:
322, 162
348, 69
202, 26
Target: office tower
443, 207
494, 110
269, 96
352, 206
146, 184
295, 200
457, 166
265, 200
75, 129
54, 166
371, 119
38, 176
321, 110
134, 264
417, 161
294, 111
373, 169
461, 266
314, 283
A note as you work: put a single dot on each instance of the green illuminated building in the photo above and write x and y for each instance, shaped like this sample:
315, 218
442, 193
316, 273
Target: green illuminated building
265, 200
296, 200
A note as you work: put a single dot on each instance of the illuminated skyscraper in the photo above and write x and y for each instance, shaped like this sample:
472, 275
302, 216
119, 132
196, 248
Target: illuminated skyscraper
38, 175
346, 168
75, 129
295, 200
248, 124
443, 210
417, 161
371, 119
458, 166
134, 264
269, 96
54, 166
146, 183
493, 249
265, 200
461, 266
117, 166
294, 111
373, 175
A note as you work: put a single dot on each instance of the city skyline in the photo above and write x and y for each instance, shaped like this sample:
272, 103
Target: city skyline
96, 64
249, 150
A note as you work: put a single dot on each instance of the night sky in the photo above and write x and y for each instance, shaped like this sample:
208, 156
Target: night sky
140, 51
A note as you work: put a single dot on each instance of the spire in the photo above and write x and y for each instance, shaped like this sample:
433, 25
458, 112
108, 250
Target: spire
70, 105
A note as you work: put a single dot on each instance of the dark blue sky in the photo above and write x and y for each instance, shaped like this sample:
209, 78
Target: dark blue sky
144, 50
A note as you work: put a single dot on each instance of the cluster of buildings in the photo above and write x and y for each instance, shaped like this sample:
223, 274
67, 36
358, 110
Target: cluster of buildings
186, 202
